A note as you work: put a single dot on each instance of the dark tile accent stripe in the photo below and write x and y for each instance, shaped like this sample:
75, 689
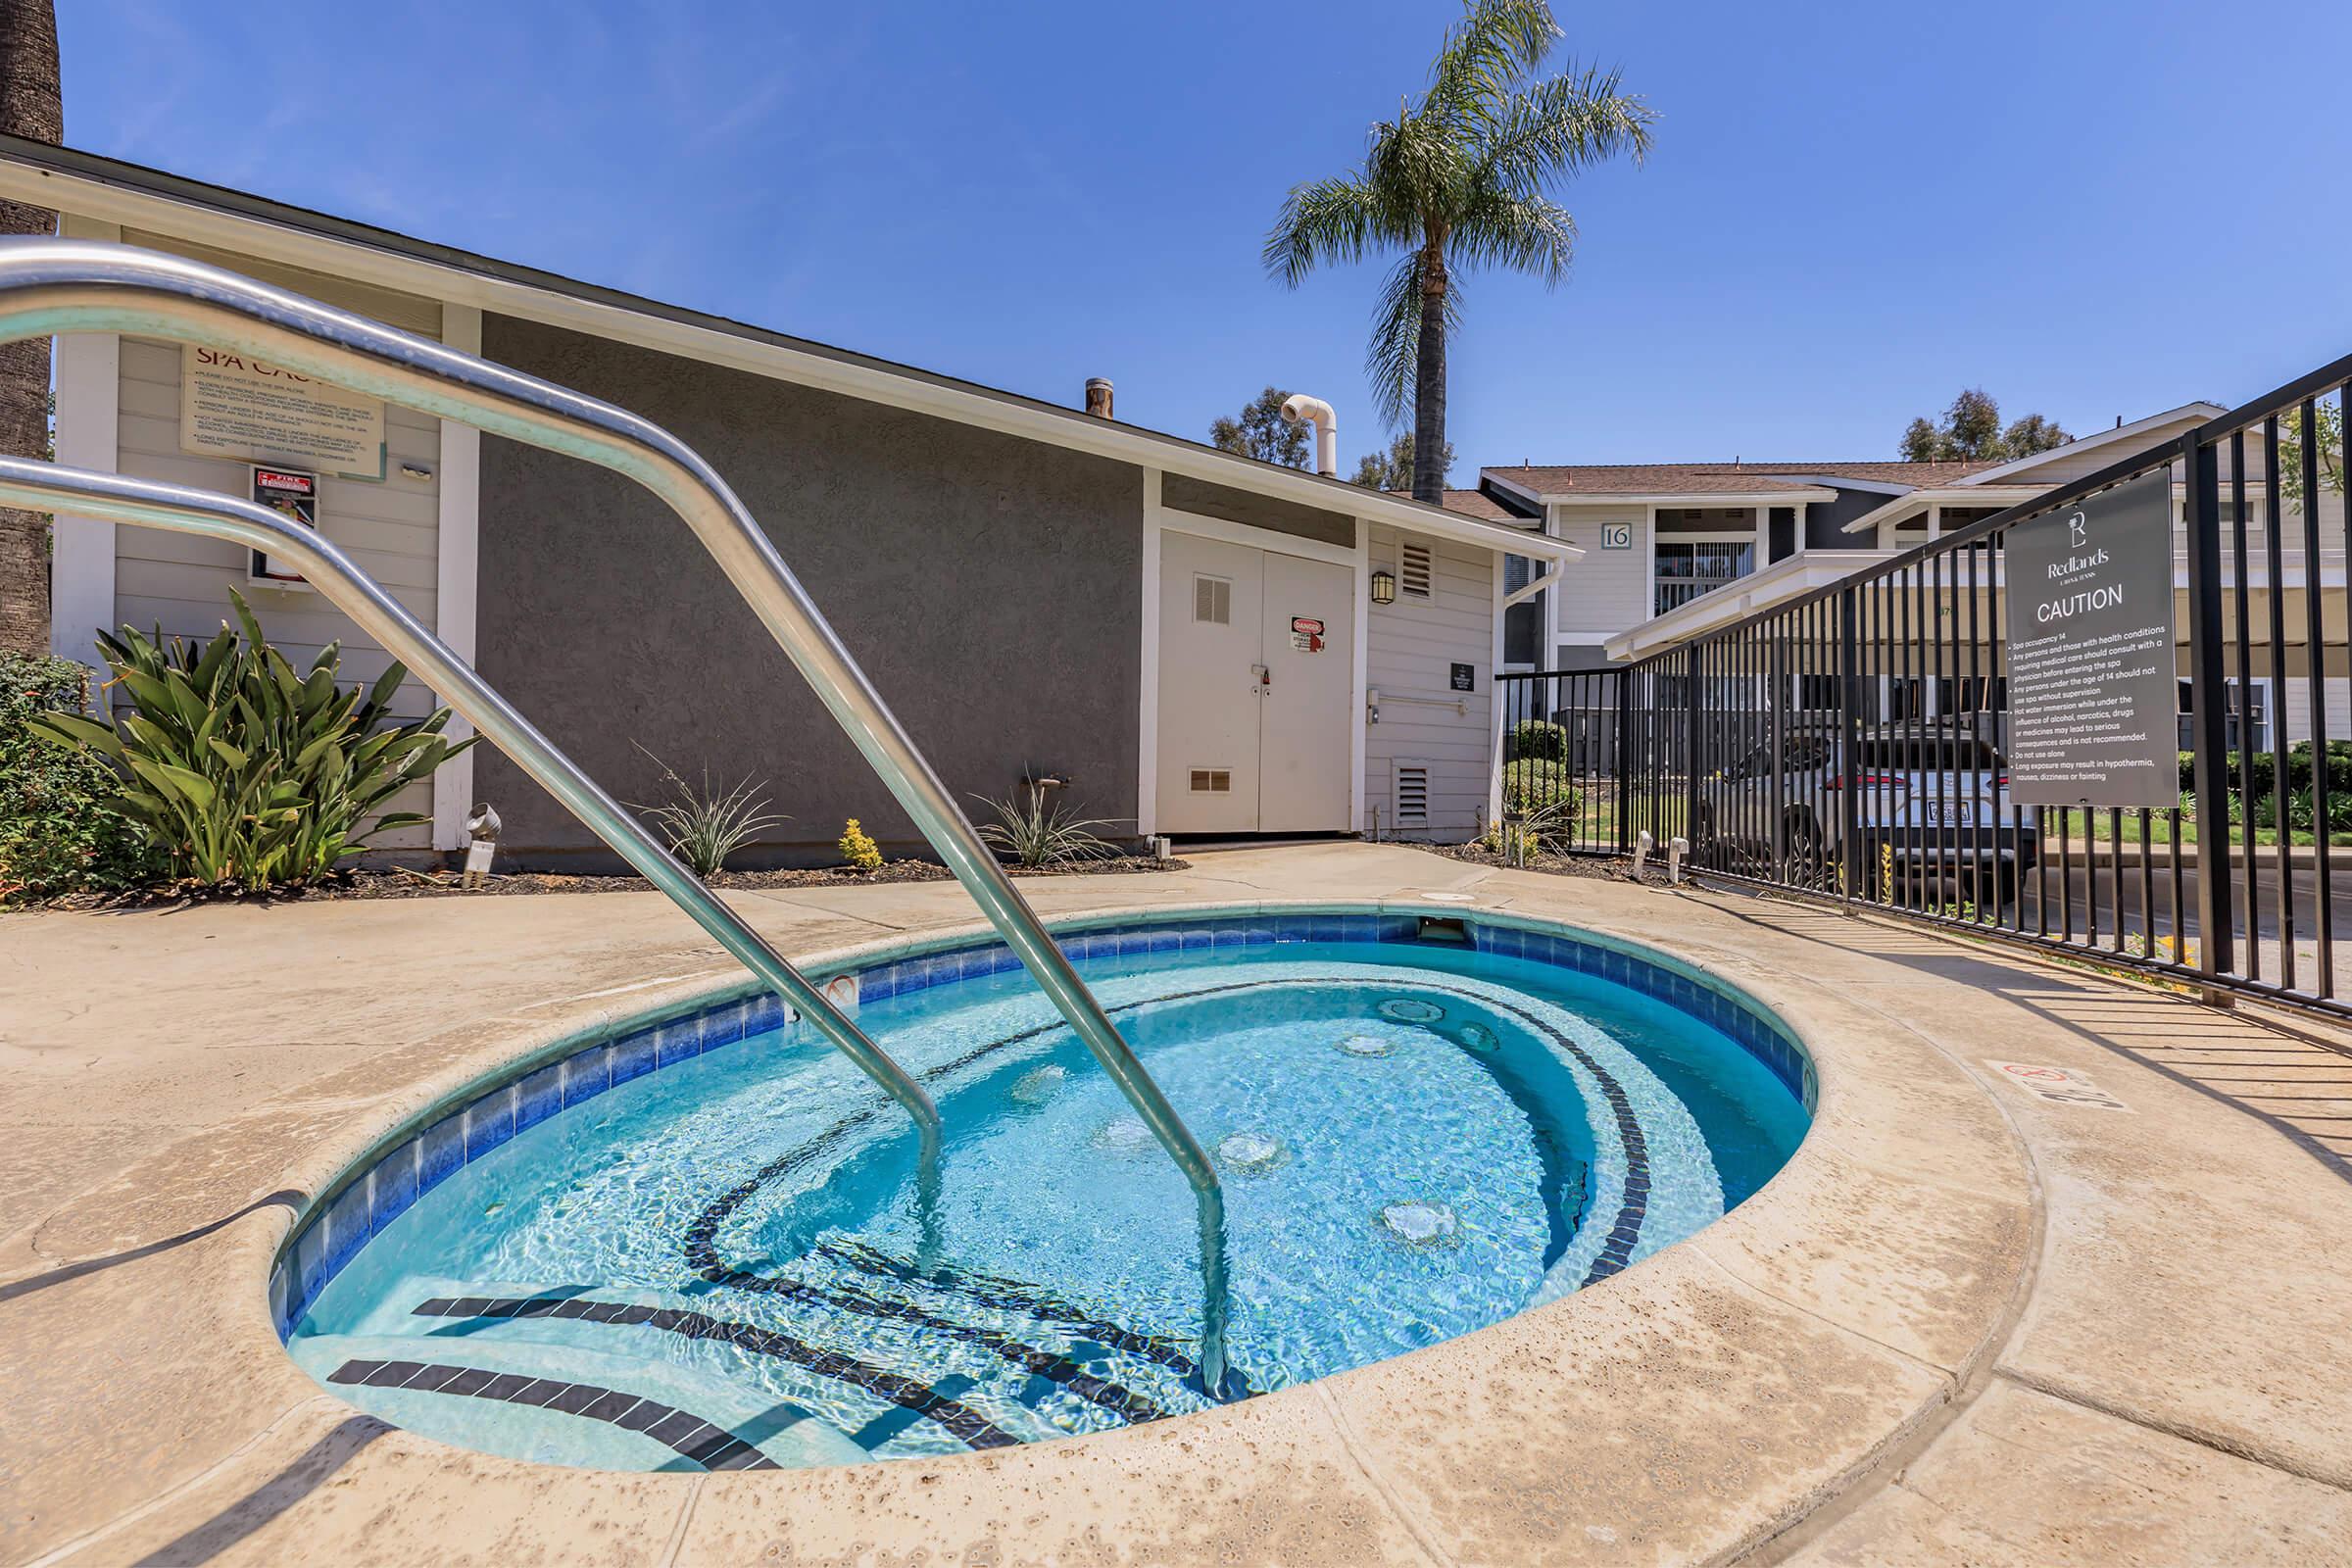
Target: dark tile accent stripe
1013, 1296
706, 1444
966, 1423
701, 1251
330, 1237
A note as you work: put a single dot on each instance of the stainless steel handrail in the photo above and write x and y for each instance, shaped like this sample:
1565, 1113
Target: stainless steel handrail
52, 286
51, 487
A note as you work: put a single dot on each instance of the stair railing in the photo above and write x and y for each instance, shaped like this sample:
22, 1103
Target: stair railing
53, 287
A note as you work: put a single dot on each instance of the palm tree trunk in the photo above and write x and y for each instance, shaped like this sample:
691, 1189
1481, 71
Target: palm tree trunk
1429, 380
30, 106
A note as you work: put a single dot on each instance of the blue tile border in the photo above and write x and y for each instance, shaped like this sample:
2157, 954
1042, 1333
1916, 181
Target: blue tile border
375, 1194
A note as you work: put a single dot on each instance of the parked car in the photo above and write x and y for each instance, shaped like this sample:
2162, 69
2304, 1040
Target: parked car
1927, 800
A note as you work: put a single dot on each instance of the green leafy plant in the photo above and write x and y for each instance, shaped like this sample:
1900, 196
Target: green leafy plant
63, 827
1536, 737
1524, 835
1035, 835
1530, 782
703, 825
244, 771
862, 853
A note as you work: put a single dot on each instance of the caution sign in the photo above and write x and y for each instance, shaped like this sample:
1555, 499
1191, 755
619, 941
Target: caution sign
2092, 696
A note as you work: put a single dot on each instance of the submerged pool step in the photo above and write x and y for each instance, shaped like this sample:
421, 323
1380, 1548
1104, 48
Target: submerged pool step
968, 1425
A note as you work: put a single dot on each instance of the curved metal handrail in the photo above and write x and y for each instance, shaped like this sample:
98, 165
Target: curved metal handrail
52, 487
53, 287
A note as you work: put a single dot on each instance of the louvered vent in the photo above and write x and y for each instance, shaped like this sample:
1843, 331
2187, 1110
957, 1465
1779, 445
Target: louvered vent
1412, 570
1212, 781
1212, 601
1412, 795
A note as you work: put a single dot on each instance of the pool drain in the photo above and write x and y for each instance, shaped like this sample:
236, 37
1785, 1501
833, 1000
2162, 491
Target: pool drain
1411, 1009
1251, 1154
1421, 1224
1039, 1085
1368, 1046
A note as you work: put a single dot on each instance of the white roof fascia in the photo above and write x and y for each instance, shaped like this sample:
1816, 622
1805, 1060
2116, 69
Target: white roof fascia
1758, 590
1904, 506
1699, 499
118, 203
2185, 414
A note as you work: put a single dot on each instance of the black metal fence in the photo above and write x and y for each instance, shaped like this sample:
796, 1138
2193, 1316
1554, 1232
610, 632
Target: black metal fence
1851, 743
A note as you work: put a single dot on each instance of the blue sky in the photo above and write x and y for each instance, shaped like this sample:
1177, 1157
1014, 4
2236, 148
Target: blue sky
1853, 210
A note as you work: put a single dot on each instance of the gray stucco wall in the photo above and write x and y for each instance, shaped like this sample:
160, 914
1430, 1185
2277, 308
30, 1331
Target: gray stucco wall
990, 586
1187, 494
1825, 521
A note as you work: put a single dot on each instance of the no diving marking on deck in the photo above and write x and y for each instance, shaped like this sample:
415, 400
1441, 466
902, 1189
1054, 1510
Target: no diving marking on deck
2056, 1085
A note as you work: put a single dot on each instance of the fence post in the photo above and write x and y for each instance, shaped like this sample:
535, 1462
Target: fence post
2209, 720
1849, 744
1693, 723
1623, 683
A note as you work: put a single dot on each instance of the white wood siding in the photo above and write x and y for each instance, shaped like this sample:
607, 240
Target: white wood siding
390, 530
1609, 590
2297, 705
1410, 649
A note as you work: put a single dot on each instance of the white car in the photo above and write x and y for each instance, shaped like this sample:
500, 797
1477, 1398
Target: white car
1928, 798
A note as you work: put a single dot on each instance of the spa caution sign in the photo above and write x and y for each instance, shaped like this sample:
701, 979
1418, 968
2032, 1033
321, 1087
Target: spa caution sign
235, 406
2091, 689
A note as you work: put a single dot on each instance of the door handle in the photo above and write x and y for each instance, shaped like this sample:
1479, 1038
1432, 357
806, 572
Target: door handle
1264, 679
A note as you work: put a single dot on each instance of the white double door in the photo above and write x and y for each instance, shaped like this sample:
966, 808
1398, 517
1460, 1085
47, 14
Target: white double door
1256, 710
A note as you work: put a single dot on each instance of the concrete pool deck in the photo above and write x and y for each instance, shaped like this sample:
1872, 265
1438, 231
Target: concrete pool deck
1965, 1325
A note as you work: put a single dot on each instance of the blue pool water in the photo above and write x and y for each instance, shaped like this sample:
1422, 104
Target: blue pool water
728, 1263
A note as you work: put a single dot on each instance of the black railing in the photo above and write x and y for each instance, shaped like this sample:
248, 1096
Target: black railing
1853, 743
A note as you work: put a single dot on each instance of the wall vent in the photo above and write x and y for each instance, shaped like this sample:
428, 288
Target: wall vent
1411, 795
1212, 781
1413, 569
1212, 600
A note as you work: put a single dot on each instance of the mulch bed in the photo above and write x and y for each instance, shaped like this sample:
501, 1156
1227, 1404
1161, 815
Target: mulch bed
1595, 867
407, 884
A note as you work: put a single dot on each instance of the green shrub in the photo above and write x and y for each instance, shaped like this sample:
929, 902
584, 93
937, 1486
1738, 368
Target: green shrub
857, 851
63, 828
1532, 784
2299, 767
1035, 835
1536, 737
245, 773
703, 826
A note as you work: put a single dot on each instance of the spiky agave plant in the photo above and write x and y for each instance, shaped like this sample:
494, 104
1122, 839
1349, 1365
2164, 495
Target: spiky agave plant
1035, 835
705, 825
244, 771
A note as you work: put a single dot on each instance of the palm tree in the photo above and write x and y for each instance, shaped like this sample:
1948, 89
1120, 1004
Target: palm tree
1458, 180
30, 106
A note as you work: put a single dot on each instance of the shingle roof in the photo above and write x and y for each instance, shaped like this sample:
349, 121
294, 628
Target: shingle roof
1478, 504
1719, 478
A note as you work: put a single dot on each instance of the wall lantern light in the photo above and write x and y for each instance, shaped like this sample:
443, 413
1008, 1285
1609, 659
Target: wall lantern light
1383, 587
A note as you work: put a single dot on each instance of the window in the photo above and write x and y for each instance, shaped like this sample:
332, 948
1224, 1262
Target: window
2249, 722
1413, 569
1212, 600
1212, 781
1690, 567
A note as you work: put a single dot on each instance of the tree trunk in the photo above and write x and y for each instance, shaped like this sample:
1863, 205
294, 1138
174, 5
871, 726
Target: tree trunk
30, 106
1429, 380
